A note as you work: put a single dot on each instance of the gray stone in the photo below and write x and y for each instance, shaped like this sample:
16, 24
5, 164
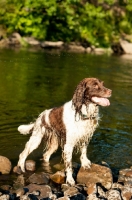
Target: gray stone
5, 165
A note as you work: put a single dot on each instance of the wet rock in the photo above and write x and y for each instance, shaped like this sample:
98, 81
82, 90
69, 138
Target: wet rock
19, 192
125, 175
96, 174
5, 165
19, 183
50, 44
101, 192
124, 171
92, 189
17, 170
126, 193
71, 191
92, 197
5, 187
63, 198
45, 190
24, 197
30, 165
4, 197
40, 178
117, 186
113, 194
58, 177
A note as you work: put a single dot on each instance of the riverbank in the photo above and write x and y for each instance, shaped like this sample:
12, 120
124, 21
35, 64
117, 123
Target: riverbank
16, 41
98, 182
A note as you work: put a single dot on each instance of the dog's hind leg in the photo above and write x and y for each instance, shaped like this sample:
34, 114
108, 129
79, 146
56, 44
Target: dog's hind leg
52, 146
31, 145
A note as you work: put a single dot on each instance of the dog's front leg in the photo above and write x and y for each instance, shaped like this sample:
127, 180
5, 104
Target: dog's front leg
32, 144
85, 162
67, 153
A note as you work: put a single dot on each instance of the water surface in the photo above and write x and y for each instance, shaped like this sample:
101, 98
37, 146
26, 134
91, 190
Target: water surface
33, 81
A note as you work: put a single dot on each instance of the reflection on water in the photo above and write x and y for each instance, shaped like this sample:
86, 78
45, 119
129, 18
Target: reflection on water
33, 81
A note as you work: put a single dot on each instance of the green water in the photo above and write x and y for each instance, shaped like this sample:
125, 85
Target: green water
33, 81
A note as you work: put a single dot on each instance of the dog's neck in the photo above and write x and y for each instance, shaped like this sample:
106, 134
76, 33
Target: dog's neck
91, 111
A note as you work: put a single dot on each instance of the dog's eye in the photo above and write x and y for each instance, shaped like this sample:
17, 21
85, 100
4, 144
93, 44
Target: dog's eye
95, 86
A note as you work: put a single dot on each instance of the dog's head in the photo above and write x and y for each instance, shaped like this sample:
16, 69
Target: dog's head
90, 90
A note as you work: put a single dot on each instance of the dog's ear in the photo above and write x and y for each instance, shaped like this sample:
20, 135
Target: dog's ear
78, 96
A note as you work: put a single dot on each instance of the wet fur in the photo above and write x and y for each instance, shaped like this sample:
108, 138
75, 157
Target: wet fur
70, 125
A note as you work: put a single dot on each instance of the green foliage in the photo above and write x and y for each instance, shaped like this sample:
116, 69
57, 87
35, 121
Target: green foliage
69, 20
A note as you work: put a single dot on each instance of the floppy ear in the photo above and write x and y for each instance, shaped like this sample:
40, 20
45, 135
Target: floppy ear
78, 96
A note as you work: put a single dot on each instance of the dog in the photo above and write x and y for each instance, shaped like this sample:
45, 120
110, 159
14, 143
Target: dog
70, 125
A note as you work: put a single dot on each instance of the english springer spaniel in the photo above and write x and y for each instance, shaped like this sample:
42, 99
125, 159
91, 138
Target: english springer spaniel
70, 125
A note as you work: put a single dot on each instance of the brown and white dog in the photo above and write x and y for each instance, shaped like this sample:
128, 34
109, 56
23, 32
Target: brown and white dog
70, 125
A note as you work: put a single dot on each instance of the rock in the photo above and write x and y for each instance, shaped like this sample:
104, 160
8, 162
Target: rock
19, 192
92, 189
30, 165
45, 190
126, 193
113, 195
5, 165
99, 50
5, 197
32, 41
101, 193
41, 178
76, 48
19, 183
126, 46
14, 39
92, 197
58, 177
5, 187
88, 50
71, 191
63, 198
49, 44
17, 170
124, 171
24, 197
95, 174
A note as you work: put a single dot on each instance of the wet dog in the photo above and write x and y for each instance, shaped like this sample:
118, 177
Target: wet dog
70, 125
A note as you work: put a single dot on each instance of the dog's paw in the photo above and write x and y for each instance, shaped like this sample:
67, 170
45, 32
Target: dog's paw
86, 164
70, 181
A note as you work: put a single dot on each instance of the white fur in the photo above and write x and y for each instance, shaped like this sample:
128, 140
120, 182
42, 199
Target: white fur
78, 133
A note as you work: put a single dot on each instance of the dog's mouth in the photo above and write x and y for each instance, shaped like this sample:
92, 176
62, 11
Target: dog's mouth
101, 101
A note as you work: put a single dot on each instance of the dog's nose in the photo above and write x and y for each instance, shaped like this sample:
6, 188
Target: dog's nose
109, 91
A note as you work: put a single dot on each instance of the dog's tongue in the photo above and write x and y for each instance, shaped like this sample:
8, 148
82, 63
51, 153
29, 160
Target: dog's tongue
101, 101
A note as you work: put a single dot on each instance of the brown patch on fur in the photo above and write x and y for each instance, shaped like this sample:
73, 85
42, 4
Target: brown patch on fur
56, 126
86, 89
56, 122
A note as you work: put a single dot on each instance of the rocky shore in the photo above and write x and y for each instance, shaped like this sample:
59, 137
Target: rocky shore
15, 40
98, 182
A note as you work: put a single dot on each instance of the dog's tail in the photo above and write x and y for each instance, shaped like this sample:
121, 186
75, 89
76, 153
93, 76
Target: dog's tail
26, 129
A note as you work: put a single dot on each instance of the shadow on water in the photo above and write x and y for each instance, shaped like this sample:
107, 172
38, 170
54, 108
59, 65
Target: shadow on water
33, 81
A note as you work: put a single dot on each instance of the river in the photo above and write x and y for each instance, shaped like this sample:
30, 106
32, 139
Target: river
31, 81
